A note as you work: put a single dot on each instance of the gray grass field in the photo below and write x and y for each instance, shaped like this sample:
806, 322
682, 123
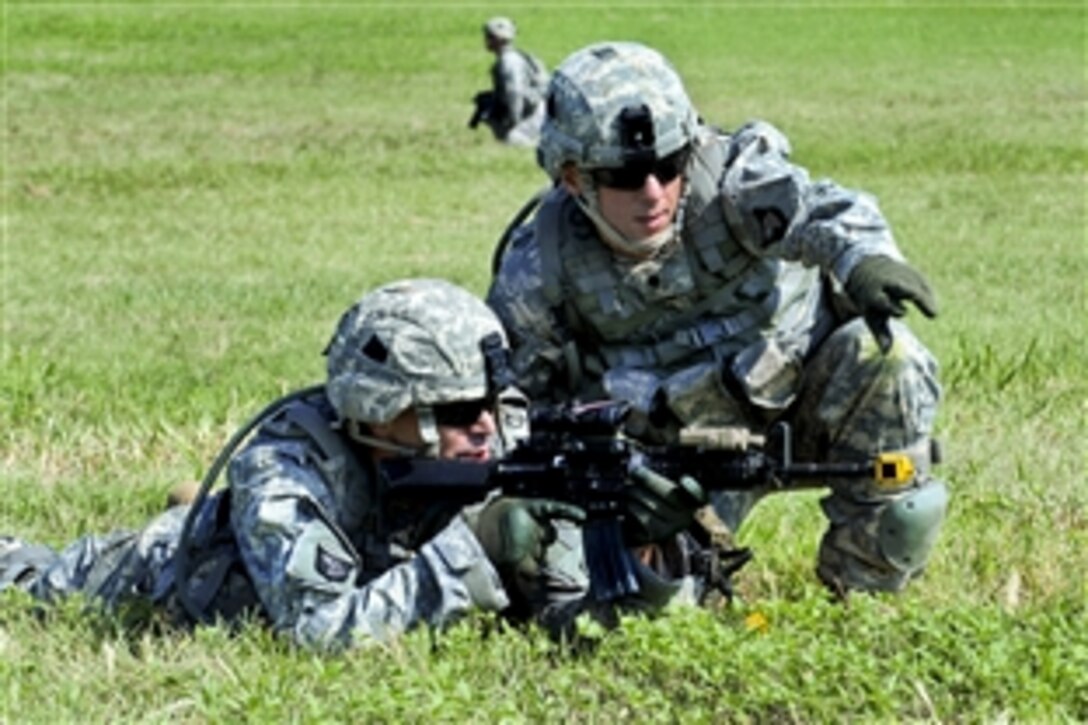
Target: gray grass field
192, 193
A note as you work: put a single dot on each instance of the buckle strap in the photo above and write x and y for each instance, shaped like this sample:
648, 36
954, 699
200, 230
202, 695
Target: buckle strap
706, 333
682, 342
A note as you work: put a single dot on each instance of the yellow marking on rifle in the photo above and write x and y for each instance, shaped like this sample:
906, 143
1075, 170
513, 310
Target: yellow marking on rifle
893, 469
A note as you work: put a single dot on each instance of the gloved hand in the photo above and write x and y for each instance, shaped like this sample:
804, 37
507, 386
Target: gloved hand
515, 531
878, 286
657, 507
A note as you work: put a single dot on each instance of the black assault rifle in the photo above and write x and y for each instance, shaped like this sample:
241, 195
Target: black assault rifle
483, 108
577, 454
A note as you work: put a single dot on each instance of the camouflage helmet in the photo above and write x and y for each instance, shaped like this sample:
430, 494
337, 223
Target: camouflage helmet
412, 343
500, 28
611, 103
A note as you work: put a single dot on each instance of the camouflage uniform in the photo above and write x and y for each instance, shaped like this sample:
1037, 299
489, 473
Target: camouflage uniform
518, 108
295, 540
300, 537
737, 318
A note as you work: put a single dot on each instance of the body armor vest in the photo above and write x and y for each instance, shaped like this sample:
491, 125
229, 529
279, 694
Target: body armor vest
214, 582
705, 298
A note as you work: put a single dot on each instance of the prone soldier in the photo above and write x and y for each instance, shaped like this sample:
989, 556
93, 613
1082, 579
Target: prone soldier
301, 537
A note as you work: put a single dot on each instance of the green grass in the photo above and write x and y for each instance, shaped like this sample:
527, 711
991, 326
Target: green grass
193, 193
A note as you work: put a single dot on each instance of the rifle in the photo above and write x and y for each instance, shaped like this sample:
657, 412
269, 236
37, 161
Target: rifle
484, 101
578, 454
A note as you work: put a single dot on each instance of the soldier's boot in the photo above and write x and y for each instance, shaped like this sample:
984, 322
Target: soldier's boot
881, 548
21, 562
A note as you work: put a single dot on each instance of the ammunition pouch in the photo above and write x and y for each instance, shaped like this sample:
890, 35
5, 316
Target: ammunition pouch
769, 375
216, 586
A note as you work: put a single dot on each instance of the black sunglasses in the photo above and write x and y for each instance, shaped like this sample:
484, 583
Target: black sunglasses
632, 176
462, 414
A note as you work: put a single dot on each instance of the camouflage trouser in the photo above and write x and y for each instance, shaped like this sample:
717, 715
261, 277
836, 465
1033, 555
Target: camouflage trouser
115, 568
525, 132
853, 403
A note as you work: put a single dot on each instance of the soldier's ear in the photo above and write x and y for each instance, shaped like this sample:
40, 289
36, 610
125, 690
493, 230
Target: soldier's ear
568, 176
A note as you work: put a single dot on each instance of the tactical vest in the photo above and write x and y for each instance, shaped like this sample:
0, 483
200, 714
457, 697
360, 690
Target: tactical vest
705, 300
212, 580
538, 81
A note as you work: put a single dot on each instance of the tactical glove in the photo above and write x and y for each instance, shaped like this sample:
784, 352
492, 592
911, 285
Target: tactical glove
656, 507
514, 532
879, 286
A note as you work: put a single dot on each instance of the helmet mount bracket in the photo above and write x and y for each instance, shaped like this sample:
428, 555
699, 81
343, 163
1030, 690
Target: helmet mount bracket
636, 132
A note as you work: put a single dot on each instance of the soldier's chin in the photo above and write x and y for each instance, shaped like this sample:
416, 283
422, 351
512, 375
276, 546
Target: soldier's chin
474, 456
653, 227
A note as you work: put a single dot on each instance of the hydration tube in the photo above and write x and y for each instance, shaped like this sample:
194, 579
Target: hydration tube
181, 558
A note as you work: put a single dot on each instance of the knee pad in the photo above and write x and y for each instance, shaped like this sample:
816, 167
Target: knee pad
909, 526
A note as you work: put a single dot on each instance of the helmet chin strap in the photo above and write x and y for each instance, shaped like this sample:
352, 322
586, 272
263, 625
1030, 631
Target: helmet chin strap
428, 430
589, 202
356, 434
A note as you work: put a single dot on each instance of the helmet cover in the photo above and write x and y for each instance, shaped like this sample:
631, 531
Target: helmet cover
500, 28
611, 103
410, 343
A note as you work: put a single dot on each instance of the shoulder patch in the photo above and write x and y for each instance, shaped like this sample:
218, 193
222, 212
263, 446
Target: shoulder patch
772, 223
331, 566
